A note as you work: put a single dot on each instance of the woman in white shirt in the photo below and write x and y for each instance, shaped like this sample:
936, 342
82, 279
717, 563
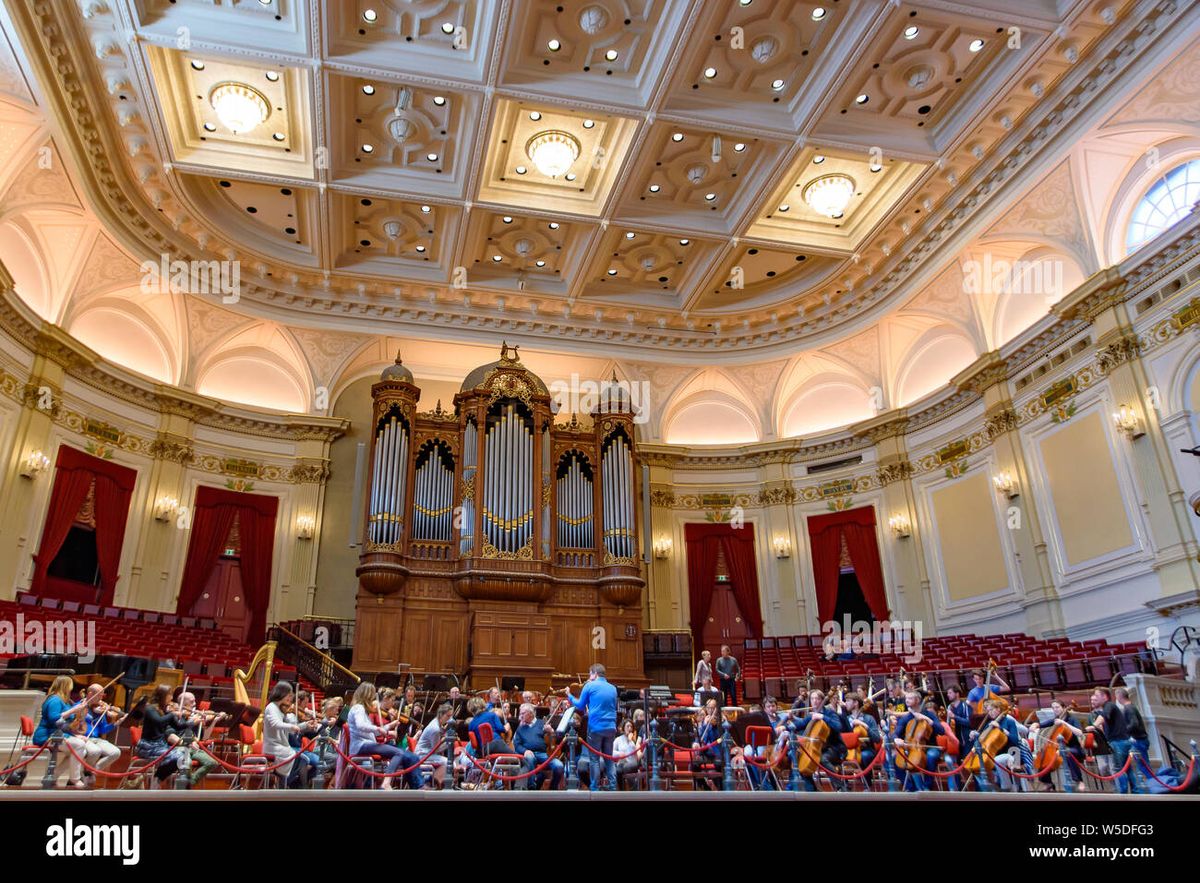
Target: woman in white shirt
277, 727
627, 742
363, 735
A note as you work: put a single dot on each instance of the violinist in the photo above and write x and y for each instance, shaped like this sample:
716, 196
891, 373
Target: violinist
306, 760
907, 736
533, 740
761, 779
430, 738
708, 731
1060, 724
482, 714
191, 721
86, 732
833, 749
278, 727
364, 736
997, 716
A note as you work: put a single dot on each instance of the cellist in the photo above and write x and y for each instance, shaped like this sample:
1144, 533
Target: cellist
998, 716
833, 749
983, 689
958, 716
1046, 736
857, 720
908, 735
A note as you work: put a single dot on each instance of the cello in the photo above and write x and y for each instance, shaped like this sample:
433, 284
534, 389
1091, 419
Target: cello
980, 707
808, 760
992, 738
1047, 757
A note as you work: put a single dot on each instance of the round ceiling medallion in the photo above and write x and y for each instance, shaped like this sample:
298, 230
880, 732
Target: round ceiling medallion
697, 173
593, 19
239, 107
764, 49
918, 75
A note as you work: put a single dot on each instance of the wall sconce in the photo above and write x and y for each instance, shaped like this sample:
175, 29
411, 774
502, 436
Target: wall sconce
165, 508
1127, 421
900, 526
783, 547
34, 464
1006, 485
662, 548
306, 525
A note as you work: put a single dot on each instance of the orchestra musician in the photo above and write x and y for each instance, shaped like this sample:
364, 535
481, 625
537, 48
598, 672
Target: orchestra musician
906, 725
485, 714
856, 718
833, 749
278, 726
983, 690
1004, 758
761, 779
708, 730
86, 736
958, 716
192, 722
629, 747
364, 736
599, 699
1073, 738
430, 736
307, 761
533, 740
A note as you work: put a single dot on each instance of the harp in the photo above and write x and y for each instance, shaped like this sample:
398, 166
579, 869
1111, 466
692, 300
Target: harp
250, 687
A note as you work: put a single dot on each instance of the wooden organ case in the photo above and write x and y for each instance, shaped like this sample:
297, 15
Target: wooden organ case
498, 544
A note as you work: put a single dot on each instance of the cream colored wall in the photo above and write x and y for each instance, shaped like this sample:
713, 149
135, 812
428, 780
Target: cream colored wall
968, 539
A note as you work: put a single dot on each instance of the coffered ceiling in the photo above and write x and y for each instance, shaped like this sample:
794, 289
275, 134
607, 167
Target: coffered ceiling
392, 181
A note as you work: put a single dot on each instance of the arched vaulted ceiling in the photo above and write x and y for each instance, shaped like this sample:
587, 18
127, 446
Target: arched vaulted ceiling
814, 324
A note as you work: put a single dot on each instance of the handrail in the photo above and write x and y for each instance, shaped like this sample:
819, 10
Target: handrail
42, 671
316, 665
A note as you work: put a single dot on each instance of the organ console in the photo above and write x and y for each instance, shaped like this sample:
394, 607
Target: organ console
498, 542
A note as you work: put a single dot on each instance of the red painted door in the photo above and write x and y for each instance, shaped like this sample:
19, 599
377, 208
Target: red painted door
224, 600
725, 623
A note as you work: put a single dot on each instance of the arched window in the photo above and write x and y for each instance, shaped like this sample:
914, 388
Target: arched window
1167, 201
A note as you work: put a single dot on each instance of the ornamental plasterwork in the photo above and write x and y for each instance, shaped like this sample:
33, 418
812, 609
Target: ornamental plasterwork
1117, 353
999, 422
901, 470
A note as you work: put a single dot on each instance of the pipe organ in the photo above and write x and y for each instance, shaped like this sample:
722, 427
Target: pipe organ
498, 540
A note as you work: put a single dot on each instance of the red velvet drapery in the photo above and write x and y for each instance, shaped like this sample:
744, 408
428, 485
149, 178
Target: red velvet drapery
704, 541
74, 473
213, 515
825, 534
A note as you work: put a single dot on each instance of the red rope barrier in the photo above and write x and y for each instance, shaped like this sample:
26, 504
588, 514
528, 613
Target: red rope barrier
623, 756
403, 772
257, 769
1115, 775
129, 773
533, 772
681, 748
1174, 788
27, 761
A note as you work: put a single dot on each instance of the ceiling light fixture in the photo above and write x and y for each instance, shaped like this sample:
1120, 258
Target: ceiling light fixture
197, 65
612, 272
678, 136
272, 76
535, 116
739, 147
554, 45
862, 99
439, 100
209, 127
507, 219
630, 235
368, 89
654, 188
684, 241
829, 195
588, 124
784, 208
447, 27
540, 263
426, 209
911, 32
367, 148
976, 45
279, 136
611, 55
497, 258
570, 176
432, 157
553, 225
777, 85
818, 13
710, 196
552, 152
875, 167
818, 159
239, 108
370, 16
421, 248
709, 73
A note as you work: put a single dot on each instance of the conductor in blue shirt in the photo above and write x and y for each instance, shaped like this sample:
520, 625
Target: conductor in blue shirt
599, 699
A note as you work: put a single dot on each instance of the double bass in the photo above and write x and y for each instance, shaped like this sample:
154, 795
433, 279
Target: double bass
980, 707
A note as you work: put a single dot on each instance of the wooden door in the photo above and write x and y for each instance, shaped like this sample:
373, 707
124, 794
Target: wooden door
224, 600
725, 624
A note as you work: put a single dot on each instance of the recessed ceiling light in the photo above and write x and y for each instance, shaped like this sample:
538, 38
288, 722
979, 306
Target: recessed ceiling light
197, 65
497, 258
777, 85
554, 225
745, 2
535, 116
279, 136
875, 167
507, 219
520, 170
368, 89
588, 124
612, 272
370, 16
426, 209
432, 157
739, 147
784, 208
420, 248
273, 76
447, 27
540, 263
862, 99
554, 45
710, 196
710, 72
911, 31
439, 100
368, 148
570, 176
678, 136
976, 45
611, 55
654, 188
684, 241
209, 127
818, 159
630, 235
265, 2
818, 13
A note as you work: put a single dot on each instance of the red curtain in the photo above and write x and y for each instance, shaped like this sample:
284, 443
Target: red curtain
739, 558
212, 517
74, 473
825, 534
704, 541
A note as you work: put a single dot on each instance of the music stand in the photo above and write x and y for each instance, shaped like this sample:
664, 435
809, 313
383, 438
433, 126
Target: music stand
705, 695
512, 685
436, 684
